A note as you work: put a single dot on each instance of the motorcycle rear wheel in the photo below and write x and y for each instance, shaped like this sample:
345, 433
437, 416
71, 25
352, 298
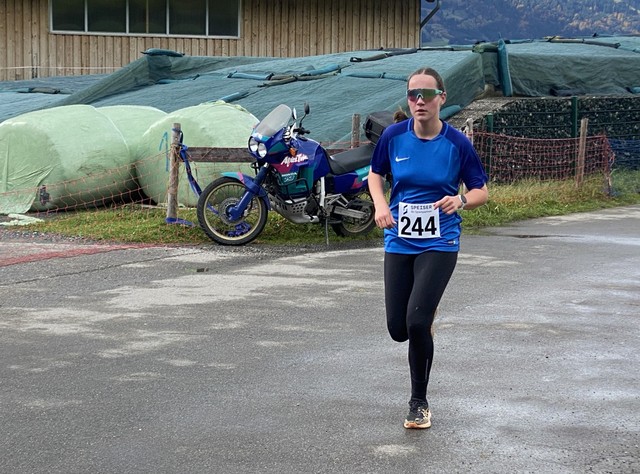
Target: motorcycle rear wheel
350, 227
213, 205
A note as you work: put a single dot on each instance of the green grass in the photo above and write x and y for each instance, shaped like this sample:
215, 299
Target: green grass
528, 200
138, 224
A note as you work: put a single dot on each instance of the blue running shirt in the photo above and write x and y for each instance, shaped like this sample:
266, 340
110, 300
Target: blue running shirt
424, 171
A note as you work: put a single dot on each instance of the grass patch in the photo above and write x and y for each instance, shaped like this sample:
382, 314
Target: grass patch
531, 199
138, 224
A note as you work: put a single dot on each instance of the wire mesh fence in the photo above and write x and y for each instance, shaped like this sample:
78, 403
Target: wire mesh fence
525, 140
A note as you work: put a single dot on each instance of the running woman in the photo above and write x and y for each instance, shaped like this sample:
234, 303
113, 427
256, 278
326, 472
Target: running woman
428, 160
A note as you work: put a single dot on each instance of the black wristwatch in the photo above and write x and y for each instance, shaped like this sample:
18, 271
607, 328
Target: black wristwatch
463, 200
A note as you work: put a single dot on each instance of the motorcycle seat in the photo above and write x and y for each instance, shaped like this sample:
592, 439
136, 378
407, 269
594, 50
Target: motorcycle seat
350, 160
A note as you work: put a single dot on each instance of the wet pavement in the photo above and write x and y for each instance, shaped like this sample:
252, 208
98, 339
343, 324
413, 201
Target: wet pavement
130, 359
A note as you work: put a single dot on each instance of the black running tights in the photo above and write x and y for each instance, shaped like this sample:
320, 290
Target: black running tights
414, 285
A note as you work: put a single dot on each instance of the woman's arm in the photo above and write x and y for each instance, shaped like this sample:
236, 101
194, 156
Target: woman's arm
383, 217
475, 198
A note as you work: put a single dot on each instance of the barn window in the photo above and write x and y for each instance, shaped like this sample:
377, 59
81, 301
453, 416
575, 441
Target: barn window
147, 17
107, 16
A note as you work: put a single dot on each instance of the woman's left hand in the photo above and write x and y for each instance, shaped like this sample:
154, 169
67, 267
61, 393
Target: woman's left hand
474, 197
449, 204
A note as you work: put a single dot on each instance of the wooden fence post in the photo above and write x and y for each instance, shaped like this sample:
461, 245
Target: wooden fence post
468, 129
355, 131
582, 146
174, 168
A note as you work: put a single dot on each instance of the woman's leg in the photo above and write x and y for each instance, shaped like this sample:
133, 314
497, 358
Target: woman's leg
398, 284
431, 274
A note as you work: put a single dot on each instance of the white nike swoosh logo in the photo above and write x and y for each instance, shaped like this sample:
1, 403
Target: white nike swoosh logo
398, 159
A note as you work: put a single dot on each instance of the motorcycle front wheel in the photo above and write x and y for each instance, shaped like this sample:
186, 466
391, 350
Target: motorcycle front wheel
213, 213
349, 226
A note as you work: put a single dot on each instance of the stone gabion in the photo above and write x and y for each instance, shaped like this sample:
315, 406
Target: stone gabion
618, 118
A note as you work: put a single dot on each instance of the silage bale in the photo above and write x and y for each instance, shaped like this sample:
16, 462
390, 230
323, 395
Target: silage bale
215, 124
132, 121
58, 158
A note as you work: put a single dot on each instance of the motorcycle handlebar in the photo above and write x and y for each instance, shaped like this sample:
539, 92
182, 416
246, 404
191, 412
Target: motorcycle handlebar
302, 130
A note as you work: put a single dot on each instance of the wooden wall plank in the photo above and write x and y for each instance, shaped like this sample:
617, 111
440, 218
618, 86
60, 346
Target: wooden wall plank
260, 31
342, 26
60, 57
4, 39
76, 61
85, 53
277, 30
332, 44
109, 53
322, 24
248, 37
125, 44
117, 53
375, 27
40, 24
13, 42
402, 17
100, 62
17, 41
355, 25
397, 26
411, 24
218, 155
282, 30
93, 53
311, 40
54, 63
385, 26
365, 6
25, 23
298, 28
133, 48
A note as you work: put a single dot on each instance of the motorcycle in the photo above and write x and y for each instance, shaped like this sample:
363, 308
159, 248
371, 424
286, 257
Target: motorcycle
294, 176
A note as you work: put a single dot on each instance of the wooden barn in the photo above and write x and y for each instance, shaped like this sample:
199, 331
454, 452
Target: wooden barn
41, 38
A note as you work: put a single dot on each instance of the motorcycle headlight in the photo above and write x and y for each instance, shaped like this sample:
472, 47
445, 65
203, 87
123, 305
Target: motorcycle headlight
253, 145
262, 150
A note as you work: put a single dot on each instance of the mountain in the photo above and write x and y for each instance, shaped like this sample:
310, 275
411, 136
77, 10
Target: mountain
472, 21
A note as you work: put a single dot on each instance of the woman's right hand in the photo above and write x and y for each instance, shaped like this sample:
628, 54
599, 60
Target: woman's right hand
384, 219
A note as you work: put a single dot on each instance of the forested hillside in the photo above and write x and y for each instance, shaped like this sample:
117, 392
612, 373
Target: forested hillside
470, 21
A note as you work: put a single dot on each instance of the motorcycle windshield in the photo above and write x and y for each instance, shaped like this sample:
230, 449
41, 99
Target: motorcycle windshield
272, 123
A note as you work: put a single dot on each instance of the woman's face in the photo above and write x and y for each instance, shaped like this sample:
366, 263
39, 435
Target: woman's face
425, 106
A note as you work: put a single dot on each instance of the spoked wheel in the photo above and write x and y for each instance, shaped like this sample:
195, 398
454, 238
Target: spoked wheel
349, 226
214, 205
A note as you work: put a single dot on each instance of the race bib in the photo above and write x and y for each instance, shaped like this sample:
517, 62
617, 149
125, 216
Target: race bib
418, 221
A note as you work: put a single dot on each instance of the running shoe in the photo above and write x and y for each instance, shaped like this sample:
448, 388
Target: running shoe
419, 415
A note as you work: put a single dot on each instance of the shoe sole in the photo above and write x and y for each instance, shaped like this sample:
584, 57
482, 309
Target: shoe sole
413, 425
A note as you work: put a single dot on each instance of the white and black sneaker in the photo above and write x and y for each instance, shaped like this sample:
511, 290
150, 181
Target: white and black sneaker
419, 416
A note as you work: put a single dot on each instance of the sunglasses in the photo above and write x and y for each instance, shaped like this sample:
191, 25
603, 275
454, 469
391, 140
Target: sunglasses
427, 94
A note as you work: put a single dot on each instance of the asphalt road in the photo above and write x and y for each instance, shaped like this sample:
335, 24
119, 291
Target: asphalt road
256, 360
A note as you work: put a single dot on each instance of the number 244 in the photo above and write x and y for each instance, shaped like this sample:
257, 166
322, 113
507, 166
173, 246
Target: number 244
417, 227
